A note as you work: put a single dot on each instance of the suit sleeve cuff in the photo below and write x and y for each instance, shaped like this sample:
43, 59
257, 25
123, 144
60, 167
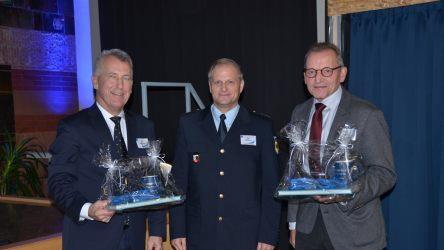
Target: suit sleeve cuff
84, 212
157, 223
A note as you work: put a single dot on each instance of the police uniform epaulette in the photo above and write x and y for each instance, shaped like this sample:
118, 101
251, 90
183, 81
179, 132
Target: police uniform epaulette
264, 115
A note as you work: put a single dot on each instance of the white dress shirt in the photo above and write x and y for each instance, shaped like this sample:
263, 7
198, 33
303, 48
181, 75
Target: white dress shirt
84, 211
328, 115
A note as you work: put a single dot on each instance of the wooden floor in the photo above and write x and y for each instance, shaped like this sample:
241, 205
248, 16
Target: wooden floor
23, 222
38, 226
51, 242
30, 224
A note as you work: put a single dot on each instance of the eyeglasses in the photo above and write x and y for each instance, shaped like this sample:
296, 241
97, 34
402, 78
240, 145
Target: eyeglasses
325, 72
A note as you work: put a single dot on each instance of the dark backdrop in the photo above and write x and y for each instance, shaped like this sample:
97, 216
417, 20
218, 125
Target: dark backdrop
176, 41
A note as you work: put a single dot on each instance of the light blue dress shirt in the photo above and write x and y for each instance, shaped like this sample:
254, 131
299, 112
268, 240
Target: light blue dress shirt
230, 116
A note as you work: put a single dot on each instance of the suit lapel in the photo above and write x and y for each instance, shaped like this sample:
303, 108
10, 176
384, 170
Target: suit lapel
240, 123
207, 124
101, 129
340, 117
131, 133
304, 112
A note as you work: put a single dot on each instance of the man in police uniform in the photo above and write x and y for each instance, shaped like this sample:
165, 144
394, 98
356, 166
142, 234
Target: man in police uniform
226, 163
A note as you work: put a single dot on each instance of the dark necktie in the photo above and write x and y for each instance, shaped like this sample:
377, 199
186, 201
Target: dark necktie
122, 153
315, 137
222, 131
118, 138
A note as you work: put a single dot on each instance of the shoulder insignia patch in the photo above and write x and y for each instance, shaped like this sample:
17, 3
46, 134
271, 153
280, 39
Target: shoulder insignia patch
276, 145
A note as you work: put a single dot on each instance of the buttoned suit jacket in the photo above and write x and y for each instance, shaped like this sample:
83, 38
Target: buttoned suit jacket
229, 186
74, 180
359, 223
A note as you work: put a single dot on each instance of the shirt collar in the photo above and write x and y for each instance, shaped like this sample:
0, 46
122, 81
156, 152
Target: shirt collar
332, 100
230, 115
107, 115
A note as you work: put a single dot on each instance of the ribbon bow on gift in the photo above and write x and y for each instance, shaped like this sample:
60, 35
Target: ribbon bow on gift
154, 155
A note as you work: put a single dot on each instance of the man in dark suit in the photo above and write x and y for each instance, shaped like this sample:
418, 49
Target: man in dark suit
332, 222
226, 163
75, 181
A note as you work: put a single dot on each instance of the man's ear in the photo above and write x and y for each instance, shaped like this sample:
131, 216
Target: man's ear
95, 81
343, 73
242, 86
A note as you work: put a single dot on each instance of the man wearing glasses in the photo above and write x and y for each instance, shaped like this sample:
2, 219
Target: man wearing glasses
332, 222
226, 164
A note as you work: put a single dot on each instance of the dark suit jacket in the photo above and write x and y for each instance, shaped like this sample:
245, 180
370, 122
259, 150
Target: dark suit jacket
229, 186
74, 180
359, 223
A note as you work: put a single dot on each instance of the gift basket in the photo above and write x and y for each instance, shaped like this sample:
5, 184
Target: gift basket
319, 169
138, 183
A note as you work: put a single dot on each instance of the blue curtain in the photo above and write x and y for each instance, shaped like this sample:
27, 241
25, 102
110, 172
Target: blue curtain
397, 62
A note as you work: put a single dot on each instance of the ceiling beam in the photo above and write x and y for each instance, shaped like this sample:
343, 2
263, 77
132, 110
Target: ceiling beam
340, 7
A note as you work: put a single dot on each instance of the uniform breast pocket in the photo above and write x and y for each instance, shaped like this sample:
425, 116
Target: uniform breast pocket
249, 152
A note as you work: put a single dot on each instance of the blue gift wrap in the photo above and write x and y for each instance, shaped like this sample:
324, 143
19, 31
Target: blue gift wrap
313, 184
136, 196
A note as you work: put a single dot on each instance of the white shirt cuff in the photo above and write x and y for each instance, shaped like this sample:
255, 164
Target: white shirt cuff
84, 212
292, 225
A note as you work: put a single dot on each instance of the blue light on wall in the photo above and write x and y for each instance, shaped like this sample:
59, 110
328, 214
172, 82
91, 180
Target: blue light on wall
55, 52
84, 52
58, 102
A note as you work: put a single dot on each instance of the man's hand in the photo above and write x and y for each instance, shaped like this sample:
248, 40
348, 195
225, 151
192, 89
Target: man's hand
293, 238
179, 243
99, 212
264, 246
154, 243
330, 199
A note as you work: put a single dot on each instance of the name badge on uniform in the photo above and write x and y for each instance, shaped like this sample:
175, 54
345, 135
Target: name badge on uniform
142, 142
249, 140
196, 157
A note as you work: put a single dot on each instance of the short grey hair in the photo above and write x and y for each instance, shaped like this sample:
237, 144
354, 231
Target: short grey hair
224, 61
318, 47
117, 53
